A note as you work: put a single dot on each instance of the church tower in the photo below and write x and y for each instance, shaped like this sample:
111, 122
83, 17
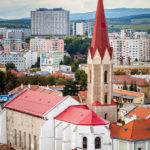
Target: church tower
100, 69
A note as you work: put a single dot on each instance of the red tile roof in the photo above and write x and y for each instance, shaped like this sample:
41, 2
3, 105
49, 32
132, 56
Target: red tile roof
59, 74
140, 112
34, 103
2, 66
96, 103
81, 115
100, 38
114, 129
120, 79
134, 130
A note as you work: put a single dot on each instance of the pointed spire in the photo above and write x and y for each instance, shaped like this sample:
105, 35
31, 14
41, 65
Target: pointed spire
100, 38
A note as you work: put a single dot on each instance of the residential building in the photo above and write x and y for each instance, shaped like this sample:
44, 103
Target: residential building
143, 68
136, 49
122, 97
51, 58
56, 68
63, 75
134, 135
12, 45
21, 60
142, 84
21, 33
80, 28
139, 112
46, 45
46, 22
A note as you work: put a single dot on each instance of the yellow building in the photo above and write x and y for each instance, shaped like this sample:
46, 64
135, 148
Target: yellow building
141, 67
2, 68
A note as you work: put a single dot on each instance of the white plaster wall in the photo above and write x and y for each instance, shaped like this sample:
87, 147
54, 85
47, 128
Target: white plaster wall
3, 132
47, 138
73, 136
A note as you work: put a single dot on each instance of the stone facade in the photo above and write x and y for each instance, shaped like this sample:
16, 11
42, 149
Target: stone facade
100, 85
23, 130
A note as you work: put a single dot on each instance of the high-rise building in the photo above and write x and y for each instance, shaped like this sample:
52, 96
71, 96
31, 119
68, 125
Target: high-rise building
136, 49
100, 69
46, 45
46, 22
12, 45
80, 28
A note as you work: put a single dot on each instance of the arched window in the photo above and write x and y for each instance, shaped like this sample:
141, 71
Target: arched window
97, 143
84, 142
105, 116
90, 76
105, 77
106, 98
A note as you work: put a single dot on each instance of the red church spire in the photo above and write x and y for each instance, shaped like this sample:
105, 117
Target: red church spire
100, 38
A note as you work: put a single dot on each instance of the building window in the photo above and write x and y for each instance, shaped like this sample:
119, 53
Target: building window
25, 140
105, 77
90, 76
106, 98
19, 138
85, 142
139, 148
15, 137
29, 141
105, 116
97, 143
34, 142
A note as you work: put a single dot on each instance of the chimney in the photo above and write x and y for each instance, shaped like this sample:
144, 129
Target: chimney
29, 86
22, 86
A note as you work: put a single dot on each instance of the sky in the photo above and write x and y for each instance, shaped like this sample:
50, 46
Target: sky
14, 9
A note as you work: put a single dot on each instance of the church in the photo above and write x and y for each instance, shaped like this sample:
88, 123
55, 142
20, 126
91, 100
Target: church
45, 121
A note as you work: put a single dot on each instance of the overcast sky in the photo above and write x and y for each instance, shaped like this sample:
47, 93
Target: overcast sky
21, 8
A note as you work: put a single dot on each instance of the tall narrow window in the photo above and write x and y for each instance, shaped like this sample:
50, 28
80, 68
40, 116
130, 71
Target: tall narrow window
106, 98
20, 139
15, 137
29, 141
97, 143
34, 142
105, 116
85, 142
25, 140
105, 77
90, 76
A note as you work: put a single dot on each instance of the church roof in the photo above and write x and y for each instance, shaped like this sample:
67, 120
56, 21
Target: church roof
81, 115
100, 38
34, 102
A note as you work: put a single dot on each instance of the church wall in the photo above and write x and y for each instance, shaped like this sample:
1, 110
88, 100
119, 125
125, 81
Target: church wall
20, 126
111, 112
47, 138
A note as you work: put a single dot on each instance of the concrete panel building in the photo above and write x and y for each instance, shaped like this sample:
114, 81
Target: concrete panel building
46, 22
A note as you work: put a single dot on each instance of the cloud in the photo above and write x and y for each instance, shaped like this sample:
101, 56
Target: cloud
21, 8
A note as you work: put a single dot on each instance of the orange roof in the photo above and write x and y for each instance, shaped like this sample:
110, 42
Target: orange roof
59, 74
140, 112
2, 66
128, 93
134, 130
114, 129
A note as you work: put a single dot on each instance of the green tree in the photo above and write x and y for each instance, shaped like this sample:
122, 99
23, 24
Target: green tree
131, 86
125, 86
51, 80
70, 88
135, 87
2, 82
10, 66
134, 71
